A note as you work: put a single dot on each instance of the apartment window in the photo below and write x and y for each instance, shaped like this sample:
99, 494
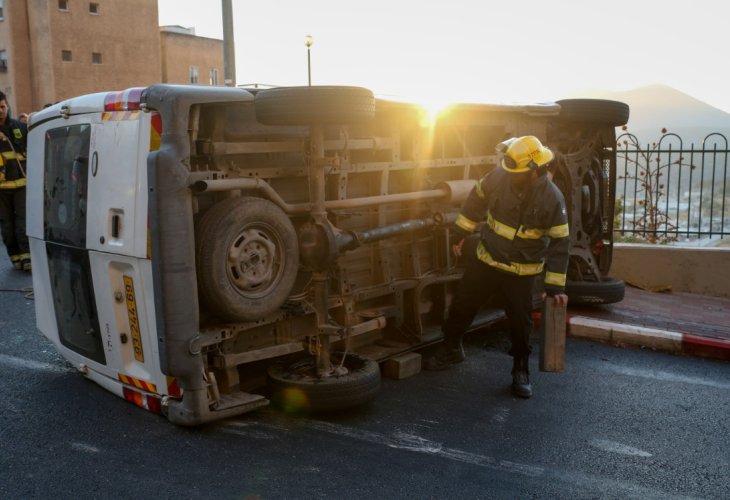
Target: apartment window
3, 60
193, 74
214, 76
93, 8
62, 4
2, 10
66, 56
96, 58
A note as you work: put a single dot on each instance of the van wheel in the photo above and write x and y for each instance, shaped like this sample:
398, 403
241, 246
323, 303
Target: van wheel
247, 258
296, 388
309, 105
606, 291
601, 111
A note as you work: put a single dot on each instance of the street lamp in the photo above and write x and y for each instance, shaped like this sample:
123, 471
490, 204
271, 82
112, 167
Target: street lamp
308, 41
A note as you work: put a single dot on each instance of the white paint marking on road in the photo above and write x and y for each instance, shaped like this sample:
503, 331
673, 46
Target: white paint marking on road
500, 415
87, 448
250, 433
248, 423
398, 440
412, 442
661, 375
619, 448
418, 444
28, 364
587, 482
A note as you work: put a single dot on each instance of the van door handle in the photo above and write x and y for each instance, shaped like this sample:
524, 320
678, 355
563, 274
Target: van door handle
116, 225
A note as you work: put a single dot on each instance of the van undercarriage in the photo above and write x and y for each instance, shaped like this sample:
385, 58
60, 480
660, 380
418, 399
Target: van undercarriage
302, 235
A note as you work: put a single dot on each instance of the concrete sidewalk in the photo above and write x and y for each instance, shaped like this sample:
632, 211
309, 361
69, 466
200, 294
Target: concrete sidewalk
678, 322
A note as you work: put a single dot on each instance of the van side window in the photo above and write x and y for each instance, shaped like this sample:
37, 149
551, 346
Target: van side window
66, 167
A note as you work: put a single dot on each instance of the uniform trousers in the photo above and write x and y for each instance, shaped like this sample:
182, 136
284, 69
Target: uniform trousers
480, 281
12, 222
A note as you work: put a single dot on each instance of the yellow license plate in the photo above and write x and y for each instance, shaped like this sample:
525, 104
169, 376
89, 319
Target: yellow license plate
133, 319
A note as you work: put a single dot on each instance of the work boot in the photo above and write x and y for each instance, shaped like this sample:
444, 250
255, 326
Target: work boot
26, 265
521, 378
449, 353
17, 265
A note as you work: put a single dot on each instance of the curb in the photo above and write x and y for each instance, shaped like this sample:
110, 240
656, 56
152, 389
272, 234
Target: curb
638, 336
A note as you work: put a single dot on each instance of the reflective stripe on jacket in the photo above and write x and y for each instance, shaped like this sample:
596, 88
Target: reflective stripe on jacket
523, 236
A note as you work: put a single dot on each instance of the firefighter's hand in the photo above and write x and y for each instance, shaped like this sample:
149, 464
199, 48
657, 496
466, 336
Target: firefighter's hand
560, 299
2, 137
456, 247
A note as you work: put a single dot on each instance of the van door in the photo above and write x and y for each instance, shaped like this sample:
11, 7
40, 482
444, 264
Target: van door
117, 185
117, 234
94, 230
57, 229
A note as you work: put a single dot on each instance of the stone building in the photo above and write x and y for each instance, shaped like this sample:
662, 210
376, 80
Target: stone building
51, 50
187, 58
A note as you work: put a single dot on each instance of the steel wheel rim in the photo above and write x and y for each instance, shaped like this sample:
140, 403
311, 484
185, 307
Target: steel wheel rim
255, 260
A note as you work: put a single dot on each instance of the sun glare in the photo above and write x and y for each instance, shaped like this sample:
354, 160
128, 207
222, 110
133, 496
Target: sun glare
433, 108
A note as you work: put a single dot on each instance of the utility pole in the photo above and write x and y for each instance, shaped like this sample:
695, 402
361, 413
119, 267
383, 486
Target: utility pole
229, 51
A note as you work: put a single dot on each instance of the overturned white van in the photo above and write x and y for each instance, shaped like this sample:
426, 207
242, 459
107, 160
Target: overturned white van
202, 250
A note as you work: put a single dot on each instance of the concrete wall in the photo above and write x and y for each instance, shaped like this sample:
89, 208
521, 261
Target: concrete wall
703, 271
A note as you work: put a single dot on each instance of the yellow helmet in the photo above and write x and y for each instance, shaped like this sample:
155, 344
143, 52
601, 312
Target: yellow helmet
522, 154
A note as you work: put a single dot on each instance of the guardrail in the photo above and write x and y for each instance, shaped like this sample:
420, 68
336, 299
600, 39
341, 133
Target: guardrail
667, 192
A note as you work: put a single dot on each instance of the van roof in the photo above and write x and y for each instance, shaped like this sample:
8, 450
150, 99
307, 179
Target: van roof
132, 98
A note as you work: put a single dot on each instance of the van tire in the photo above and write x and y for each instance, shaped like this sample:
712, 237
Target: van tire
601, 111
247, 258
607, 291
314, 105
296, 388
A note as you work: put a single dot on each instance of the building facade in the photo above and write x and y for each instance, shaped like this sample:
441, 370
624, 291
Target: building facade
187, 58
51, 50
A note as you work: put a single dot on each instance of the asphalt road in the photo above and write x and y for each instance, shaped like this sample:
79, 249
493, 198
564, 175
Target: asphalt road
616, 423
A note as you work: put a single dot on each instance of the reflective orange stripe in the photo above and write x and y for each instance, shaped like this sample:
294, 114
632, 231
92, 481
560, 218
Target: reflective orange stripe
138, 383
173, 389
117, 116
155, 131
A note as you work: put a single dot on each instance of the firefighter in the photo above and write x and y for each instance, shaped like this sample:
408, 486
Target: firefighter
520, 230
12, 187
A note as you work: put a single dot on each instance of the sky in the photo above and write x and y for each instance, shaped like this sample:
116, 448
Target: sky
476, 50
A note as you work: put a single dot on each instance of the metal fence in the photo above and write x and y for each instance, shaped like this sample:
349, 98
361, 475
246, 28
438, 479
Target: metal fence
667, 192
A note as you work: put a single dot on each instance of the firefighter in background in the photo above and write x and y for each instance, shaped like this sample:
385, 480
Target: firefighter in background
523, 232
13, 144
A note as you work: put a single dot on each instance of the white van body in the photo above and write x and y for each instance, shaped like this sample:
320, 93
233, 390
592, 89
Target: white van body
122, 348
190, 243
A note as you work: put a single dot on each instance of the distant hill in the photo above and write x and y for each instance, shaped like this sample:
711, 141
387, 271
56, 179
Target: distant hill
659, 106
